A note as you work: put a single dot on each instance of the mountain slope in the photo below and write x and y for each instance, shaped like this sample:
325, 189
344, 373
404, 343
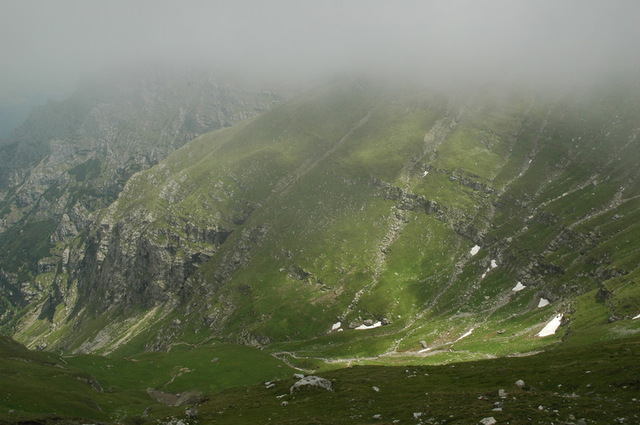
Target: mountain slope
108, 389
72, 158
359, 205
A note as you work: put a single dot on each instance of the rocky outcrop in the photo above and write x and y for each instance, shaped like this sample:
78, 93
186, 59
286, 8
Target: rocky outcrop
71, 159
137, 263
311, 381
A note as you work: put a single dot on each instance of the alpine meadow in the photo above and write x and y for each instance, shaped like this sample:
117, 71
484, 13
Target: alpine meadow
382, 222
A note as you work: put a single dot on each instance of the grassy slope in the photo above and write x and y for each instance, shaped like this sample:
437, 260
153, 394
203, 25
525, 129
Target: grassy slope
547, 186
515, 174
597, 381
111, 389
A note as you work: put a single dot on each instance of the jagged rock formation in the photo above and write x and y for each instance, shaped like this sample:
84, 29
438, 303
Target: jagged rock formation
72, 158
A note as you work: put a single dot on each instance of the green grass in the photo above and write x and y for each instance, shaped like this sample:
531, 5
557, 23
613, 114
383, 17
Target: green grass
110, 389
597, 382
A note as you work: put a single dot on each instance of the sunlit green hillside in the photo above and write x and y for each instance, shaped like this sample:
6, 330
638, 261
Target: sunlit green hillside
364, 220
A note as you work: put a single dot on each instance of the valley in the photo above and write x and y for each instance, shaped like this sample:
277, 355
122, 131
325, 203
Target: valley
361, 230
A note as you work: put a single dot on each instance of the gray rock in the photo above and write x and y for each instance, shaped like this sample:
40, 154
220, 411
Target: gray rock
488, 421
312, 381
191, 412
520, 383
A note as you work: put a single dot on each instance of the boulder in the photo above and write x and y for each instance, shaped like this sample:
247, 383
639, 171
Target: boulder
311, 381
191, 412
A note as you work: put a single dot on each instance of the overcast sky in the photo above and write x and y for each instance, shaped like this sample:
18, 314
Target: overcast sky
45, 46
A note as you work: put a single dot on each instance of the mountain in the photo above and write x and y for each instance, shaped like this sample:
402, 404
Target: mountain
171, 235
72, 158
354, 221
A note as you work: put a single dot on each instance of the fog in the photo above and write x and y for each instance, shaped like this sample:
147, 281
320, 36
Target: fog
46, 46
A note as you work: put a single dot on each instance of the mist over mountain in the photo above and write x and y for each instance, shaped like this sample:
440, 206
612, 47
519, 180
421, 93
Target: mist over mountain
47, 46
220, 195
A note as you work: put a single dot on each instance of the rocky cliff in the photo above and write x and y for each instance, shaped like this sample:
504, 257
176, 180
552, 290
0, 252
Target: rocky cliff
72, 158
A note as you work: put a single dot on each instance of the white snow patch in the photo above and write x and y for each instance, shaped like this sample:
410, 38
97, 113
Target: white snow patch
494, 264
483, 275
519, 287
465, 335
475, 250
363, 327
425, 174
424, 350
336, 326
543, 302
552, 326
636, 317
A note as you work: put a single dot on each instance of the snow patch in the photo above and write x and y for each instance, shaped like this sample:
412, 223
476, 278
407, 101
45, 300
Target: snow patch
465, 335
552, 326
425, 174
494, 264
543, 302
637, 317
519, 287
424, 350
475, 250
336, 326
363, 327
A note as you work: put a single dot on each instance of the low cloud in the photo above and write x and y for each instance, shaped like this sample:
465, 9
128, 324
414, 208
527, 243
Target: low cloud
49, 45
